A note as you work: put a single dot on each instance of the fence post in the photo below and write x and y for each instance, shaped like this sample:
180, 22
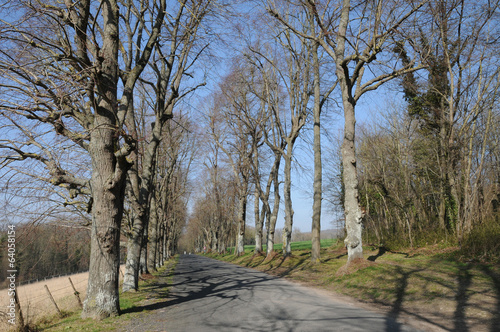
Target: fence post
19, 314
77, 294
53, 301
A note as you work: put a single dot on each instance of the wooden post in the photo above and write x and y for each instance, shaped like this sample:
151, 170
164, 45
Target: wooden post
19, 314
77, 294
53, 301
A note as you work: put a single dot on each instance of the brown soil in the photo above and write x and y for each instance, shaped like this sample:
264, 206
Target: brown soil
353, 266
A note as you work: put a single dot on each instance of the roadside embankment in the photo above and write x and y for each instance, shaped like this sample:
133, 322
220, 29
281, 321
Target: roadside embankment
430, 285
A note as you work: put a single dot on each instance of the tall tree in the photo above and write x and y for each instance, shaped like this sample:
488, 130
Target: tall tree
229, 132
170, 64
63, 59
320, 97
440, 145
354, 37
460, 90
295, 76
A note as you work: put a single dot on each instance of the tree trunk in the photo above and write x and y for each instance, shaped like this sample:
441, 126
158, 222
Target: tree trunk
316, 218
107, 183
159, 247
164, 243
258, 223
143, 266
287, 230
215, 240
108, 190
131, 277
242, 208
141, 196
274, 214
153, 235
353, 216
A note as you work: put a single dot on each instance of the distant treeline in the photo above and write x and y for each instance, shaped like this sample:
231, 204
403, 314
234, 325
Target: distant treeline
46, 250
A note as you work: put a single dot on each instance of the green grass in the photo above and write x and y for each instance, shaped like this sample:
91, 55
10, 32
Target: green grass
301, 245
73, 321
432, 281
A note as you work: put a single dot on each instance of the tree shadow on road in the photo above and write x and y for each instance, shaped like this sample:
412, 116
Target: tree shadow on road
456, 296
439, 291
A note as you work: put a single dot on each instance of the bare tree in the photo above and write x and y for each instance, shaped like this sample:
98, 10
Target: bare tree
64, 61
354, 37
178, 150
170, 64
229, 132
212, 224
271, 98
295, 76
461, 87
440, 138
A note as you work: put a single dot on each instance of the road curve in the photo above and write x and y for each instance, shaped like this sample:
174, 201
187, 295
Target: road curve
209, 295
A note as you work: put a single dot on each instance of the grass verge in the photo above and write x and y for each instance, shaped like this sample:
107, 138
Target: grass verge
430, 286
153, 288
300, 245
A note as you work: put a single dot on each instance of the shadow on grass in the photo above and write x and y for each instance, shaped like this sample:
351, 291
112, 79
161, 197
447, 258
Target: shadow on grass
460, 285
157, 293
381, 251
445, 281
440, 291
495, 280
298, 261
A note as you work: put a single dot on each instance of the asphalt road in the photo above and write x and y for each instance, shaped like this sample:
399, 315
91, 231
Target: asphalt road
209, 295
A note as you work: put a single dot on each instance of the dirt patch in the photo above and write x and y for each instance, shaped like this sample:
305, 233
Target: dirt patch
353, 266
271, 256
147, 276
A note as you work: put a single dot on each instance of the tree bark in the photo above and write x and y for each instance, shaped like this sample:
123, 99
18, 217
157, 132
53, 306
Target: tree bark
353, 215
107, 182
258, 222
153, 235
317, 185
287, 192
140, 222
271, 227
108, 191
242, 212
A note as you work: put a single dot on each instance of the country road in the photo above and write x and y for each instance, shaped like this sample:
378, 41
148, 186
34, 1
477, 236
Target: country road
209, 295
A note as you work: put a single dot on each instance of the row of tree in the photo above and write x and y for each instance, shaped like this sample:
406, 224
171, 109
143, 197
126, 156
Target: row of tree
98, 83
87, 93
427, 172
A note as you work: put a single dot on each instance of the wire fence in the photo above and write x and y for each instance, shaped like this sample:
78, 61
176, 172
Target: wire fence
66, 290
32, 281
46, 297
61, 290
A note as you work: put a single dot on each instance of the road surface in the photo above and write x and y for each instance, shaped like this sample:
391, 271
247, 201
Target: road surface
209, 295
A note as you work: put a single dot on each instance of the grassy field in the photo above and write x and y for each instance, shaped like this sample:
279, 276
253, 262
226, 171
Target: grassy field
432, 286
36, 304
153, 291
